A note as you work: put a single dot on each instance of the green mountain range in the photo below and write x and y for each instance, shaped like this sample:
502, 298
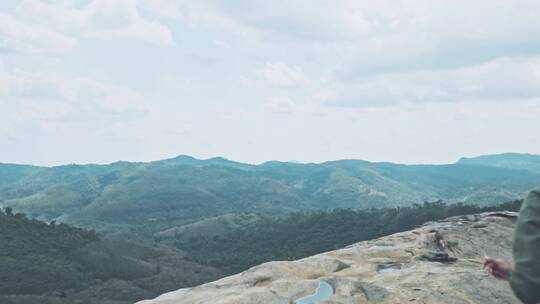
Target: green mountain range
182, 190
183, 221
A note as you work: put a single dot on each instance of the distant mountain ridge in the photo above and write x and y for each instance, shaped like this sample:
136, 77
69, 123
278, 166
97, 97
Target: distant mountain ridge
529, 162
178, 191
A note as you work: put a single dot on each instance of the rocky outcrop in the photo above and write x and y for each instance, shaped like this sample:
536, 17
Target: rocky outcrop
440, 262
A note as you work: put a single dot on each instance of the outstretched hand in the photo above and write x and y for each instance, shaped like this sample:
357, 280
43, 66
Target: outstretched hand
498, 268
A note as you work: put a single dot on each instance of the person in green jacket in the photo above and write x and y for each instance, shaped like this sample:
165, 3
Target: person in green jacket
524, 275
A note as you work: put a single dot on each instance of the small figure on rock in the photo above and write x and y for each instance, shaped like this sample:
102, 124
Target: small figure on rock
524, 275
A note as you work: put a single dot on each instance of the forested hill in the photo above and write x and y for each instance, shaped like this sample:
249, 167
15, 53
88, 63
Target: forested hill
178, 191
51, 263
36, 257
303, 234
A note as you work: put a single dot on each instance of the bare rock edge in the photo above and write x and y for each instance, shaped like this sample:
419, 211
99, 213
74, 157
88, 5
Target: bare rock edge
440, 262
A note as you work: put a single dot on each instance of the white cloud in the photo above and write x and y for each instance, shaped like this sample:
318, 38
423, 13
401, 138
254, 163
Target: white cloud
282, 75
139, 30
17, 36
51, 95
280, 105
101, 19
373, 37
499, 80
161, 8
222, 44
112, 19
411, 35
504, 80
313, 104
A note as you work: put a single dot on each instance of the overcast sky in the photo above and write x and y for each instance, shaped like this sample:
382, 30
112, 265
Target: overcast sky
256, 80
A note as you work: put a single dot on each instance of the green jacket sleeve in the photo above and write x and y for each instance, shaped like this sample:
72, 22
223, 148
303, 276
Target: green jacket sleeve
525, 279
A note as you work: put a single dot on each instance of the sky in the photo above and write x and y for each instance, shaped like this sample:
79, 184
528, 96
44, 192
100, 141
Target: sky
424, 81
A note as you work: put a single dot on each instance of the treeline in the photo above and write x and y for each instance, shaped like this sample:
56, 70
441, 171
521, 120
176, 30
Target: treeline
303, 234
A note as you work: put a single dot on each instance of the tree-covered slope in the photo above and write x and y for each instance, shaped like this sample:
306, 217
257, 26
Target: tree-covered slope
56, 263
11, 173
178, 191
303, 234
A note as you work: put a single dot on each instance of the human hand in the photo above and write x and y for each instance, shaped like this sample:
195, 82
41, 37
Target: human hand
498, 268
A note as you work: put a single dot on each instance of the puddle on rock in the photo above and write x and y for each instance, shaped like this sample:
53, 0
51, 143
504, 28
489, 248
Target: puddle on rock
324, 292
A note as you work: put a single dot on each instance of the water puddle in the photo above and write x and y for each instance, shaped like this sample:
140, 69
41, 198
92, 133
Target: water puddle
324, 292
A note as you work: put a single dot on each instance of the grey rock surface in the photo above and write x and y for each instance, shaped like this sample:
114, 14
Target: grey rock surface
440, 262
